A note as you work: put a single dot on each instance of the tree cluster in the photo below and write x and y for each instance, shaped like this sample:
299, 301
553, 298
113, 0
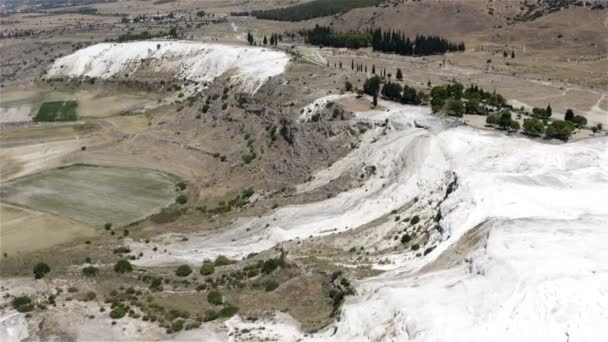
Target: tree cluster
391, 42
313, 9
397, 42
325, 36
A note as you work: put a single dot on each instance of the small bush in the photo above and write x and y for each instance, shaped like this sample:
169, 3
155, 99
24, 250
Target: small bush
123, 266
108, 226
215, 297
228, 311
118, 313
207, 268
211, 315
222, 261
415, 219
122, 250
90, 296
40, 270
271, 285
181, 199
272, 264
183, 271
22, 304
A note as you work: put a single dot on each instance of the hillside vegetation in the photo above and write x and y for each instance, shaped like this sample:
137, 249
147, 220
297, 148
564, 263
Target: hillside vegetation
313, 9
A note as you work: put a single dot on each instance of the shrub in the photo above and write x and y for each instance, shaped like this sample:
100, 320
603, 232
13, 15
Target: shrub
22, 304
271, 285
90, 271
207, 268
181, 186
40, 270
122, 250
123, 266
515, 125
90, 296
248, 158
415, 219
579, 121
181, 199
183, 271
406, 238
108, 226
215, 297
272, 264
156, 284
492, 119
415, 247
118, 313
348, 86
211, 315
222, 261
228, 310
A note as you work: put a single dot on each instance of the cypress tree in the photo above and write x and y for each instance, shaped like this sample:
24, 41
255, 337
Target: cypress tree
399, 75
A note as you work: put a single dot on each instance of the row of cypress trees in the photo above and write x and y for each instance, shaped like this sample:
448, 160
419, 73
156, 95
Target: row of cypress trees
398, 42
383, 41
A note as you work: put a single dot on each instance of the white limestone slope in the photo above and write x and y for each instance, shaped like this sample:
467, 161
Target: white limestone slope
539, 275
194, 61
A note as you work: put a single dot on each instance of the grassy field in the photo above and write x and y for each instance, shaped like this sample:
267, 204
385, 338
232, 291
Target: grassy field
23, 230
93, 195
57, 111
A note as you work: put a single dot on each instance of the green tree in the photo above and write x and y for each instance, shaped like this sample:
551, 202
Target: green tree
472, 106
534, 127
215, 297
265, 41
410, 96
504, 121
454, 107
392, 91
40, 270
399, 75
569, 115
439, 95
183, 271
549, 111
372, 87
123, 266
559, 129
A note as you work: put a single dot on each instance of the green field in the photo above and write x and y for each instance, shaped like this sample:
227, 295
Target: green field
57, 111
93, 194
